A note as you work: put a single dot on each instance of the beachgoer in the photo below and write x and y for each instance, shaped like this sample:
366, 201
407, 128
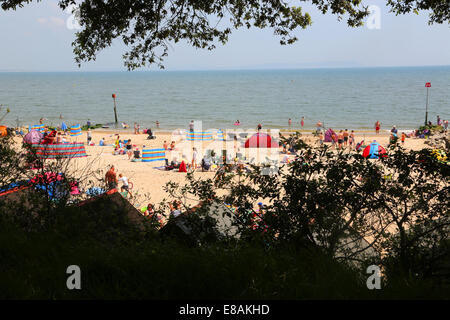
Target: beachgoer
175, 209
403, 138
129, 148
117, 143
302, 122
345, 137
165, 145
172, 145
290, 122
135, 128
102, 142
150, 134
157, 123
125, 184
352, 139
89, 136
377, 127
318, 126
438, 121
340, 139
394, 130
191, 126
259, 127
137, 154
88, 123
194, 158
206, 163
320, 138
111, 178
445, 125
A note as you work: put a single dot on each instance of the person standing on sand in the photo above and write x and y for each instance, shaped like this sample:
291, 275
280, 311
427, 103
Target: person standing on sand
340, 138
191, 126
445, 125
438, 121
129, 148
351, 140
403, 138
194, 158
377, 127
111, 178
135, 128
345, 137
125, 184
89, 136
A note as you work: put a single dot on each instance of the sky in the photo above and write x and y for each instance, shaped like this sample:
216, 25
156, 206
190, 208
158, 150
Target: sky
36, 38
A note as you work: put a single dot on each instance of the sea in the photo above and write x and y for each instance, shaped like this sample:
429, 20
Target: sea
340, 98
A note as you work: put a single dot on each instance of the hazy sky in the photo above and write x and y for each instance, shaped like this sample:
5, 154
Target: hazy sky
36, 38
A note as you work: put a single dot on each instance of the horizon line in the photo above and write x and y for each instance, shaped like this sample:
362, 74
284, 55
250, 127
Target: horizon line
230, 69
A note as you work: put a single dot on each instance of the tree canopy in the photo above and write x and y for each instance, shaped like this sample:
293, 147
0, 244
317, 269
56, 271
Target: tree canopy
148, 27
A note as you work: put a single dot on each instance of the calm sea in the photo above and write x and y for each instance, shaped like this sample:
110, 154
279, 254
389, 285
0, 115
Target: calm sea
341, 98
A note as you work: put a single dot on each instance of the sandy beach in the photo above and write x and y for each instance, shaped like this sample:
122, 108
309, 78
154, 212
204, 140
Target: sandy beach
147, 181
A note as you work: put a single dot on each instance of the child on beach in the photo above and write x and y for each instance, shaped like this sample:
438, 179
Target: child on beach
321, 138
129, 148
125, 184
351, 139
403, 138
89, 136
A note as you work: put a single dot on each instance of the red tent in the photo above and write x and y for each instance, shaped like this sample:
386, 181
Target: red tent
261, 140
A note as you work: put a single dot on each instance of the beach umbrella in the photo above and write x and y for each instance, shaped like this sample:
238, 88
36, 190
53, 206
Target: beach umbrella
374, 151
75, 130
33, 137
59, 151
63, 126
261, 140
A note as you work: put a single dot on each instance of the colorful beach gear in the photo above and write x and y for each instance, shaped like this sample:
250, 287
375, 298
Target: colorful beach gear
59, 151
220, 135
328, 135
75, 130
151, 155
199, 136
33, 137
374, 151
38, 127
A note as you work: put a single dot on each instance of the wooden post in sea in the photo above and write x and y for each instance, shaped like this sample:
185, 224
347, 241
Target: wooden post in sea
428, 86
115, 109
